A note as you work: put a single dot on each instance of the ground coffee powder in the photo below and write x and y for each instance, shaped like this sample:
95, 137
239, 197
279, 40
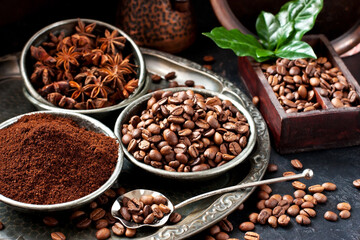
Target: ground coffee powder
46, 159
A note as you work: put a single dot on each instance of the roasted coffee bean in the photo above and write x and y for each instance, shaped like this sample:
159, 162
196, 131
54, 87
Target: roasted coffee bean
84, 223
93, 205
251, 236
293, 210
271, 203
76, 215
302, 220
253, 217
289, 173
156, 78
222, 236
299, 193
272, 167
260, 205
50, 221
283, 220
170, 76
110, 193
309, 212
307, 205
278, 211
288, 198
343, 206
1, 226
101, 223
147, 199
266, 188
356, 183
299, 185
118, 229
97, 214
175, 217
345, 214
103, 233
58, 236
215, 229
262, 195
320, 198
109, 218
331, 216
278, 197
296, 164
125, 213
264, 215
246, 226
226, 225
328, 186
130, 232
316, 188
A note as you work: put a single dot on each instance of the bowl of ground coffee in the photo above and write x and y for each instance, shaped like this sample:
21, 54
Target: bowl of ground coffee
52, 161
186, 133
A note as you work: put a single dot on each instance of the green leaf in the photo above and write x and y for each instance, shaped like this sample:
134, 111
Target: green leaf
241, 44
267, 27
284, 34
294, 50
302, 14
260, 53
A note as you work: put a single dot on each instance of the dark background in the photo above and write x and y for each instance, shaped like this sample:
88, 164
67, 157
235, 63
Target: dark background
20, 19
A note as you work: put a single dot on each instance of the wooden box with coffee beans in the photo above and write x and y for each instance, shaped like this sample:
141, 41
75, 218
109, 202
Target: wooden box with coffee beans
308, 104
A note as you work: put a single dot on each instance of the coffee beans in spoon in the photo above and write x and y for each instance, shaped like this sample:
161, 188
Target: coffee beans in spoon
186, 132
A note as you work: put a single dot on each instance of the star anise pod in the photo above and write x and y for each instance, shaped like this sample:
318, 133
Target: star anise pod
78, 91
85, 30
96, 57
60, 100
67, 57
111, 41
88, 74
64, 75
131, 85
41, 55
98, 88
60, 87
97, 103
82, 43
42, 71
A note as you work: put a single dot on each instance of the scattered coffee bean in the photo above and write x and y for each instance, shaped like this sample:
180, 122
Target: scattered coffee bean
302, 220
316, 188
83, 223
118, 229
50, 221
103, 234
289, 173
296, 164
208, 59
208, 66
101, 223
156, 78
309, 212
189, 83
320, 197
264, 215
356, 183
345, 214
288, 198
307, 205
97, 214
266, 188
1, 226
343, 206
58, 236
299, 193
226, 225
129, 232
278, 197
255, 100
330, 216
175, 217
241, 207
273, 168
283, 220
299, 185
328, 186
251, 236
262, 195
271, 203
253, 217
273, 221
293, 210
76, 215
260, 205
214, 230
222, 236
170, 76
298, 201
246, 226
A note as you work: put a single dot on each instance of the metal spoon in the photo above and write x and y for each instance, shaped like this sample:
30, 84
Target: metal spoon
307, 174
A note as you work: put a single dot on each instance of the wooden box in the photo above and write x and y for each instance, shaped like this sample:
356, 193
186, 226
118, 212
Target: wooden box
329, 127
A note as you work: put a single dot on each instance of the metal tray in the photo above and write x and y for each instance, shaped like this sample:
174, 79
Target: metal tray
197, 216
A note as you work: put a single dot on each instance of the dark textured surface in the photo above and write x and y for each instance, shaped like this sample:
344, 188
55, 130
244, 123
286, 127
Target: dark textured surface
340, 166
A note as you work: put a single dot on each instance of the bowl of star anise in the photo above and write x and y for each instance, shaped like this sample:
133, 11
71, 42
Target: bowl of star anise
82, 65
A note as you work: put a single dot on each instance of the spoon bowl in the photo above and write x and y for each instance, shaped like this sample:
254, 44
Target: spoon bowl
138, 193
115, 209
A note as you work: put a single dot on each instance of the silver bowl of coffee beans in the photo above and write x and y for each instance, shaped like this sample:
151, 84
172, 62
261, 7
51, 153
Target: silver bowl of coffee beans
84, 66
186, 133
54, 161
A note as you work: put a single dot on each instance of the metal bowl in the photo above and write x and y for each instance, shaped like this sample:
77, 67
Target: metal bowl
67, 26
140, 104
90, 124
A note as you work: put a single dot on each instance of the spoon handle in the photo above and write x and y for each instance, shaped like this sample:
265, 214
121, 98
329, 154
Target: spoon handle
307, 174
